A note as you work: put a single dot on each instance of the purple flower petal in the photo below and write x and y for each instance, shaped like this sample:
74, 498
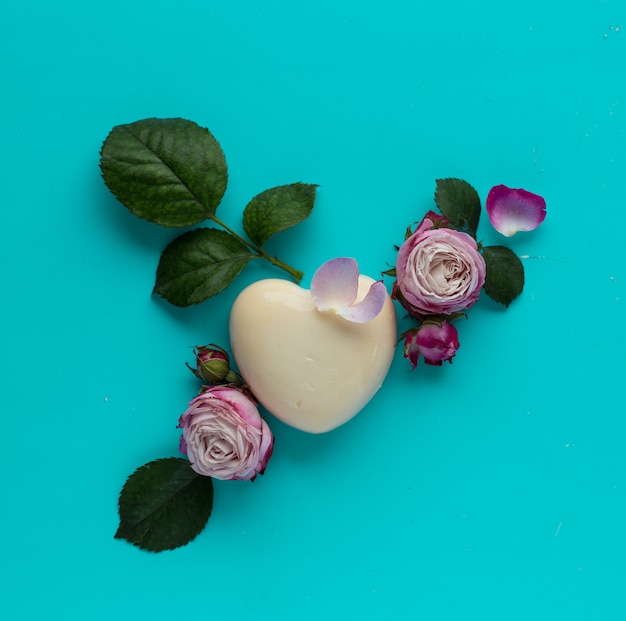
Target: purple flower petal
369, 307
512, 210
335, 284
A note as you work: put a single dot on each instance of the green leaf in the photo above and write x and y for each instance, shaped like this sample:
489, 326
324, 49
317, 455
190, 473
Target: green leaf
505, 274
459, 202
164, 505
199, 264
277, 209
168, 171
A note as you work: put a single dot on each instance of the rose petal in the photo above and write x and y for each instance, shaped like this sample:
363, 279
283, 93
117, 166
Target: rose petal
182, 445
334, 285
369, 307
240, 402
512, 210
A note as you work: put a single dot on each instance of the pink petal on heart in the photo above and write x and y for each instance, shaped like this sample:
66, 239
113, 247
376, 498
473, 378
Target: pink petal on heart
335, 284
369, 307
512, 210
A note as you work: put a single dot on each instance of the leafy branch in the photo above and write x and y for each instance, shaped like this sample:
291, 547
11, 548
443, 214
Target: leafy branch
173, 172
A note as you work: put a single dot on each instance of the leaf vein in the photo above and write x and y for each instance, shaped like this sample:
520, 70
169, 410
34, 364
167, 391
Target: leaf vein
176, 175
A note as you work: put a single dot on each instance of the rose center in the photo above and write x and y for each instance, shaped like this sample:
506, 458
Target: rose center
221, 449
445, 270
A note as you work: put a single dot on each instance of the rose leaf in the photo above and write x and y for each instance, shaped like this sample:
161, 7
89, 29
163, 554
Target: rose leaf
459, 202
164, 505
168, 171
277, 209
504, 280
198, 265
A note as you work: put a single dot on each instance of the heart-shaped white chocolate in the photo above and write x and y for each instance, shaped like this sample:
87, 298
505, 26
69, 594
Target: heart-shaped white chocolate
313, 370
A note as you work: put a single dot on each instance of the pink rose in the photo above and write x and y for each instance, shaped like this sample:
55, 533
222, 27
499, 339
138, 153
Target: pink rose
224, 436
435, 342
439, 271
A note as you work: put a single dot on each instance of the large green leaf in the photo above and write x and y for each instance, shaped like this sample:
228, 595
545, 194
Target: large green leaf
505, 274
199, 264
459, 202
168, 171
277, 209
164, 505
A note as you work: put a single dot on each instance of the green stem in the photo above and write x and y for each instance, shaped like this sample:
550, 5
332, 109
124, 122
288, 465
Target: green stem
260, 253
294, 273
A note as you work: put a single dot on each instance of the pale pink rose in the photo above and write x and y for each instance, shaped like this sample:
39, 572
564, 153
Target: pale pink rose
439, 271
224, 436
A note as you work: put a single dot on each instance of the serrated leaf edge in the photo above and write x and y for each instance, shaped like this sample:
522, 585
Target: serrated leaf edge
252, 235
507, 304
207, 211
468, 226
156, 514
156, 288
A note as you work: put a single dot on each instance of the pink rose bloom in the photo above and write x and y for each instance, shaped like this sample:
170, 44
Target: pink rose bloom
439, 271
224, 436
435, 342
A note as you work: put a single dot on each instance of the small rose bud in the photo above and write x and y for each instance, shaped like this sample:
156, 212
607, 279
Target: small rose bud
436, 342
212, 364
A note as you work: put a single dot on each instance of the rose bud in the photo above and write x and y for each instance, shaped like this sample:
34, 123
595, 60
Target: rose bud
224, 436
439, 271
436, 342
213, 365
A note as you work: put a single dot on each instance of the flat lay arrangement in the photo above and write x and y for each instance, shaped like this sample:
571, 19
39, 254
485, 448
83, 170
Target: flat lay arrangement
330, 297
313, 359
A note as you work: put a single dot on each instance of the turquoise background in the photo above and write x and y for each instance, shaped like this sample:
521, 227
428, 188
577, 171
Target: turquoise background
492, 488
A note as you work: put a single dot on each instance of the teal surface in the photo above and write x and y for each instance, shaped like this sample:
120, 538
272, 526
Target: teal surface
493, 488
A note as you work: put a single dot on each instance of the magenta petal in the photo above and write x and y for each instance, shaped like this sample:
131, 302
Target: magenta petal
512, 210
335, 284
369, 307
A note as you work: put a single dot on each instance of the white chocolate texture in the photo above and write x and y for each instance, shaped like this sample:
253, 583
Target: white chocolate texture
313, 370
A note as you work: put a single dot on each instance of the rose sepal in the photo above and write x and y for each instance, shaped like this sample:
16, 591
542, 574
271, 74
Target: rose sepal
213, 366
